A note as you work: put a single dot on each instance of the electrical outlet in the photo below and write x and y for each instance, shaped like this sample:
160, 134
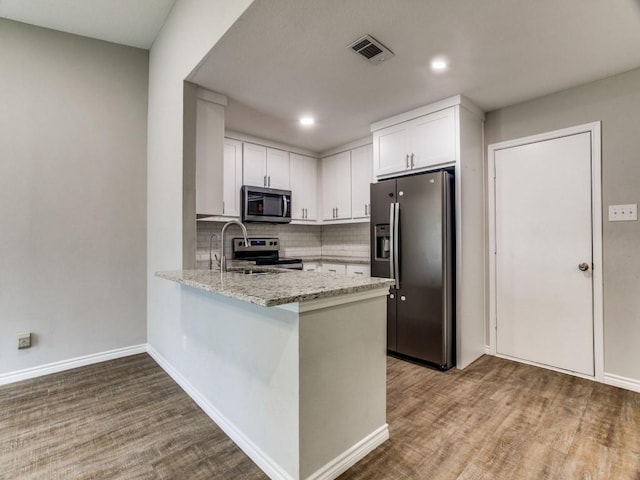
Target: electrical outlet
24, 340
623, 213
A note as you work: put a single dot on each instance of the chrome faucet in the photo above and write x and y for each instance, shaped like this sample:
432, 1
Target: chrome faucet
223, 259
211, 250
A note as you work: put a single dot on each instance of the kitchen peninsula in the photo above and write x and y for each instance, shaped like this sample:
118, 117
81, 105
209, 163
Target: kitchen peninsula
292, 364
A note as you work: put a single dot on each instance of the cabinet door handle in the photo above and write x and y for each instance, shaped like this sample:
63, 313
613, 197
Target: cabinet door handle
336, 212
359, 273
407, 160
223, 208
264, 181
269, 179
366, 209
412, 155
306, 214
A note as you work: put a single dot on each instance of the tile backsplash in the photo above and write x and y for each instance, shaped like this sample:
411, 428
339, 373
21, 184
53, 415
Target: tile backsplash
350, 240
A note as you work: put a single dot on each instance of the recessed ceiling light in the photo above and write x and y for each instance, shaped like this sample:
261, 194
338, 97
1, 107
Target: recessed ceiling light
439, 65
307, 121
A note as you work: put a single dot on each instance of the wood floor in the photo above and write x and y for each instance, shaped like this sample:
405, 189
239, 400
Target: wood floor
126, 419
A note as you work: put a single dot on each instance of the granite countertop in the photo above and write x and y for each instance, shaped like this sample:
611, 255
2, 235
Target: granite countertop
269, 287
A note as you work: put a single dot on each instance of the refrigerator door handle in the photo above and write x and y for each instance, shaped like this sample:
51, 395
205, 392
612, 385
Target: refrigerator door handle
392, 241
396, 243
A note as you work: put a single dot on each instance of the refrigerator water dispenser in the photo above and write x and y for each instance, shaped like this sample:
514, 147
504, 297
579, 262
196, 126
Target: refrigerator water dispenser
383, 242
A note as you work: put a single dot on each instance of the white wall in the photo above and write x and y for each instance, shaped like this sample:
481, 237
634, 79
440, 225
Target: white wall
616, 102
72, 195
191, 30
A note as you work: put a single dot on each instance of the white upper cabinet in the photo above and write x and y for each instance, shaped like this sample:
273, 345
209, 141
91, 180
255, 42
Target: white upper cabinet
361, 178
266, 167
278, 169
304, 187
418, 144
433, 139
254, 160
391, 149
209, 157
336, 186
232, 177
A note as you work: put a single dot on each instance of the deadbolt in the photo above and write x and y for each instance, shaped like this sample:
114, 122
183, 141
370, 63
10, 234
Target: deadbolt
583, 267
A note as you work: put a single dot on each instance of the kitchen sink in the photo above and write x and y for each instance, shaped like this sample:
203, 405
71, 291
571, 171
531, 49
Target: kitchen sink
256, 271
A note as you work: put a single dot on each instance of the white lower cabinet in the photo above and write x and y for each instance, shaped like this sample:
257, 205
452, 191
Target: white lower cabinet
334, 268
311, 267
358, 270
345, 269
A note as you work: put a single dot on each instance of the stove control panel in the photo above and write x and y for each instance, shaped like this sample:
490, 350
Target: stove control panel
256, 244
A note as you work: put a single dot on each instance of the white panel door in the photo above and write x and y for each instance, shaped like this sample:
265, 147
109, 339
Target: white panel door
543, 232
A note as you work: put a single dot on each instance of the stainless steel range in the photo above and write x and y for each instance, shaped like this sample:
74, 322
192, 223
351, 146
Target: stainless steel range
264, 251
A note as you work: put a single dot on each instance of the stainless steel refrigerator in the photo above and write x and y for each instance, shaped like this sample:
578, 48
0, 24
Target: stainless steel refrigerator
412, 241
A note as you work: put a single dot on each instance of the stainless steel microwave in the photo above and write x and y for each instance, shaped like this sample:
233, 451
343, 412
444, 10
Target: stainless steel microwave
261, 204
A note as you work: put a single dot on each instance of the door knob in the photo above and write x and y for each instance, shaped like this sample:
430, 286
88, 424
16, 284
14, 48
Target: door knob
583, 267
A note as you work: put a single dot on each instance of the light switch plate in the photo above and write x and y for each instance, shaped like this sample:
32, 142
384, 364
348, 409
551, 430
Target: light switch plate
623, 213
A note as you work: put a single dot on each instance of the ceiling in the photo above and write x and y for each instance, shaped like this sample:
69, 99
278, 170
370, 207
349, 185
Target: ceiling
285, 58
128, 22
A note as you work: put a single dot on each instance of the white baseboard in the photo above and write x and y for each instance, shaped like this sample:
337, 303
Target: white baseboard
60, 366
622, 382
487, 350
349, 458
268, 466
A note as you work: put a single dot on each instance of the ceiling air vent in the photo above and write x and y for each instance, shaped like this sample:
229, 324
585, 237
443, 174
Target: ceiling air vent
371, 49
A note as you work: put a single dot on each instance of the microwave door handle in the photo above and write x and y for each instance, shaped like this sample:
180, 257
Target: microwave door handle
284, 204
